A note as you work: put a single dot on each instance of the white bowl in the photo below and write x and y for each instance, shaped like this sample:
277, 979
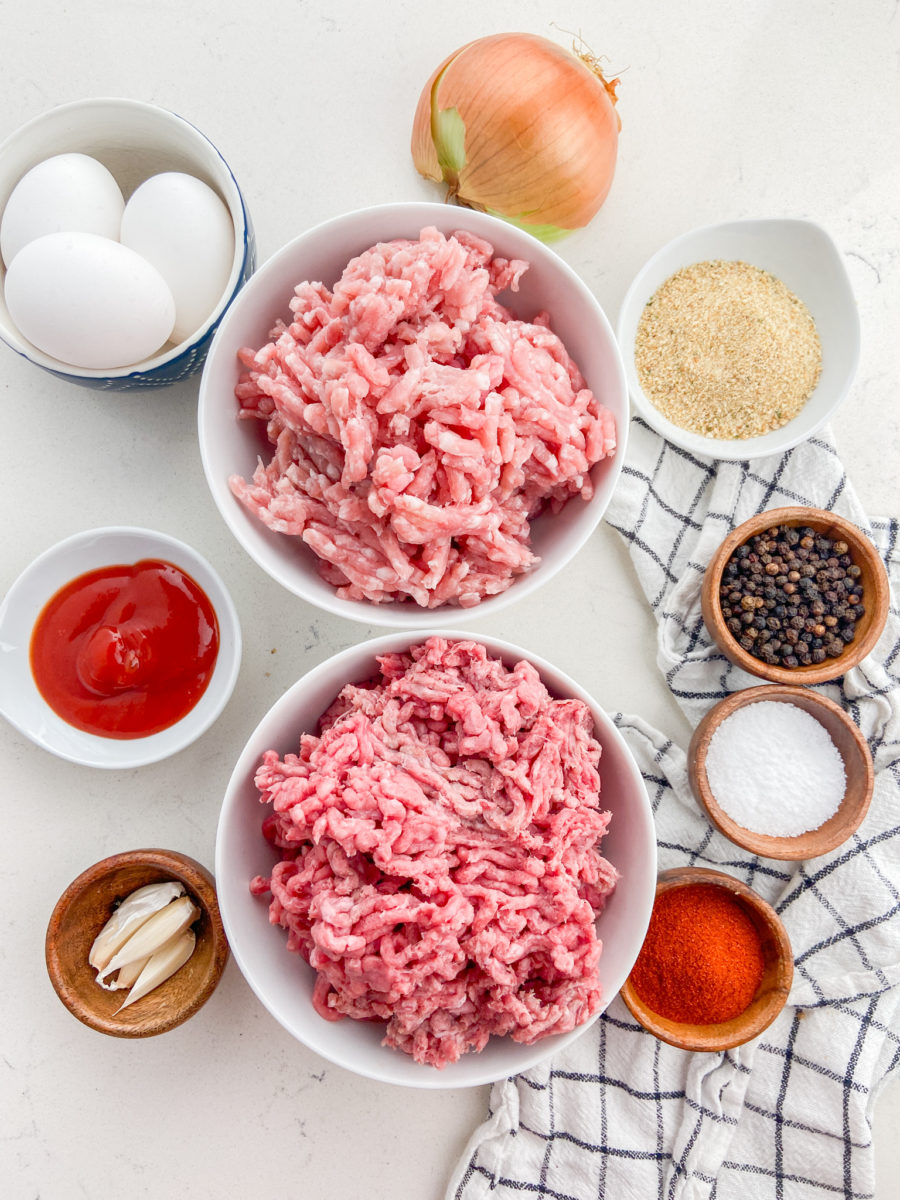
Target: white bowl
133, 140
21, 702
230, 446
283, 981
806, 260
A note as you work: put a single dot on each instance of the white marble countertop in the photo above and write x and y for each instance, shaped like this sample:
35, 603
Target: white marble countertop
728, 110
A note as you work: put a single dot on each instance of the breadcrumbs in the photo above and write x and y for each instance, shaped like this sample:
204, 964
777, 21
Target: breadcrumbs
725, 350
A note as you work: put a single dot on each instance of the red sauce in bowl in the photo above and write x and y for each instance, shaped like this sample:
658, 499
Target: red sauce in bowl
127, 650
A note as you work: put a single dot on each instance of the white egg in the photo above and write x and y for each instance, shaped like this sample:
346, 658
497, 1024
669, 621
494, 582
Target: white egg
68, 193
181, 226
88, 301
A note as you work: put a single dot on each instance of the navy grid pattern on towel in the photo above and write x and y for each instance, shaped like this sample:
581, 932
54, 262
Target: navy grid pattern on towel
618, 1114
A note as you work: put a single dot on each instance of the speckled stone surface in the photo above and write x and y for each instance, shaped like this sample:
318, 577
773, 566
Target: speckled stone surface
728, 111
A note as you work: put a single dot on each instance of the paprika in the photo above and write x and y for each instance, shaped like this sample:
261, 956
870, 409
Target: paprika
702, 959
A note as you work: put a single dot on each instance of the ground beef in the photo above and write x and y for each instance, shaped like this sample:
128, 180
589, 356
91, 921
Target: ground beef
417, 426
440, 842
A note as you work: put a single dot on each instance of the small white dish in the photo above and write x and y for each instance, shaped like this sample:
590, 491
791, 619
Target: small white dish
283, 981
803, 256
22, 704
230, 446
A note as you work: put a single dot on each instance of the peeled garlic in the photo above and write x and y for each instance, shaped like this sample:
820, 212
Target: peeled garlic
153, 934
125, 976
133, 912
161, 965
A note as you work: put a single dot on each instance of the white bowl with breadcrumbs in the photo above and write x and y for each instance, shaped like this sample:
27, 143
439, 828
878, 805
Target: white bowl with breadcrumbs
802, 256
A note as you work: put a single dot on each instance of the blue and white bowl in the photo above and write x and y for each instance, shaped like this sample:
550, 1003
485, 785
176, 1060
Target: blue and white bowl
133, 140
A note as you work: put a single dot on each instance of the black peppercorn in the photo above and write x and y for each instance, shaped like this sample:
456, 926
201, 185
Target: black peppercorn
792, 596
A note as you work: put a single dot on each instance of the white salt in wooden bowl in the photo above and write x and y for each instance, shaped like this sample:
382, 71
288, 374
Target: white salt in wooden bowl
850, 744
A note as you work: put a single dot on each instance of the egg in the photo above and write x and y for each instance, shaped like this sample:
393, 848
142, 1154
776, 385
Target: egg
181, 226
69, 192
88, 301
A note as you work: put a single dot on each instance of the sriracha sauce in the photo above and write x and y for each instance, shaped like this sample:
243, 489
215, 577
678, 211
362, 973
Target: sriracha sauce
127, 650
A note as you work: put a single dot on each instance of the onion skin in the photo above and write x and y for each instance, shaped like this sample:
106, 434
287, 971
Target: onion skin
541, 131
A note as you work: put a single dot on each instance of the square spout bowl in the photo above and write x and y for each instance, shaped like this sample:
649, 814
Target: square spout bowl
806, 260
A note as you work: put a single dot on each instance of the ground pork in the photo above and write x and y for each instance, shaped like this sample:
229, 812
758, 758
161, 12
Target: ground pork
418, 427
440, 841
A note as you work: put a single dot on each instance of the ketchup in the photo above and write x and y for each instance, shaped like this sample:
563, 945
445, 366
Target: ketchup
125, 651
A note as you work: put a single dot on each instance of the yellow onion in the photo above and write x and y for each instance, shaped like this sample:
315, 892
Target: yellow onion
519, 127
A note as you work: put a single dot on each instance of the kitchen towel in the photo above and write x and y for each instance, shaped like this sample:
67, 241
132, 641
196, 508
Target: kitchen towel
620, 1115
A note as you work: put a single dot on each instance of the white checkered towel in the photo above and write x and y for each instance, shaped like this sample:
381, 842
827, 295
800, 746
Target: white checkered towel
620, 1115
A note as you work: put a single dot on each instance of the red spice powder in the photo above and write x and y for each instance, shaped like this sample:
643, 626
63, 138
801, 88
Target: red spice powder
702, 959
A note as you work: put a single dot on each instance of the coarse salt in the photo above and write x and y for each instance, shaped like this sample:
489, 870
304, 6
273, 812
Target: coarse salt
774, 769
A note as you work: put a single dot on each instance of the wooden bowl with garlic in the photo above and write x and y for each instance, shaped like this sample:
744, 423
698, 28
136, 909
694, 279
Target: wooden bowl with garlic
135, 945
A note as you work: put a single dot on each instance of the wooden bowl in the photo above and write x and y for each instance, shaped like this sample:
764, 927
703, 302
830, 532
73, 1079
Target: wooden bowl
850, 743
82, 911
771, 994
876, 596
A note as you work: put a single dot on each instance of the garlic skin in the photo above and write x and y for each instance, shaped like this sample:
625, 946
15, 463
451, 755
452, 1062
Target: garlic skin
168, 959
153, 934
132, 913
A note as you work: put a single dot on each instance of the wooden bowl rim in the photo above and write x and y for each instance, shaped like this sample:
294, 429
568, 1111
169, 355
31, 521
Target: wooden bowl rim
802, 845
861, 546
762, 1011
197, 879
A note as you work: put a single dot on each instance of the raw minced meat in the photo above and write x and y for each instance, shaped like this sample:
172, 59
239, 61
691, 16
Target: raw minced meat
440, 841
417, 426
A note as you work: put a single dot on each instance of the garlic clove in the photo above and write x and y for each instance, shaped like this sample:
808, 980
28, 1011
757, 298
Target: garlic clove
134, 910
154, 933
125, 976
168, 959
